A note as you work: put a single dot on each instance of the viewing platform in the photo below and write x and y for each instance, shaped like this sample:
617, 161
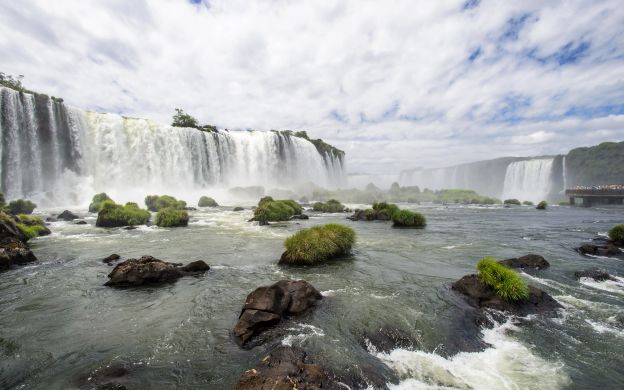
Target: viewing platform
597, 195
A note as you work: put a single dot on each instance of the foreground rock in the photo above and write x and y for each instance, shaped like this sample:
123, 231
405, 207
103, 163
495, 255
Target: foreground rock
67, 216
109, 259
149, 270
268, 305
483, 296
528, 261
603, 249
286, 368
13, 248
597, 275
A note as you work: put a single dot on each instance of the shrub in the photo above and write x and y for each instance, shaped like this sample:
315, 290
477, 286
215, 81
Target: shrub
617, 233
156, 202
170, 217
31, 231
512, 201
487, 200
406, 218
270, 210
116, 215
542, 205
506, 282
206, 201
331, 206
21, 206
527, 203
319, 243
97, 200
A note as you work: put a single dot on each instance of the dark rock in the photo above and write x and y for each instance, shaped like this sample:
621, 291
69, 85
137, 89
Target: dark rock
268, 305
67, 216
111, 258
80, 223
483, 296
146, 270
190, 209
606, 248
587, 249
285, 368
113, 377
528, 261
196, 266
597, 275
8, 228
300, 216
387, 339
130, 227
14, 252
51, 219
238, 208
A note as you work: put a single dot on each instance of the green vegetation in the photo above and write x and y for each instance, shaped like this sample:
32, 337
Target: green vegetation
2, 201
596, 165
96, 202
270, 210
564, 203
384, 210
617, 233
406, 218
321, 146
206, 201
21, 206
156, 202
541, 205
317, 244
30, 226
182, 119
514, 202
331, 206
170, 217
461, 196
527, 203
115, 215
506, 282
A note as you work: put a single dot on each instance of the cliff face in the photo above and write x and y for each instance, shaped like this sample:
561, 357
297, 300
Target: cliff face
596, 165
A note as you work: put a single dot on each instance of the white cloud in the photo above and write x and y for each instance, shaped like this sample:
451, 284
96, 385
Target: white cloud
396, 74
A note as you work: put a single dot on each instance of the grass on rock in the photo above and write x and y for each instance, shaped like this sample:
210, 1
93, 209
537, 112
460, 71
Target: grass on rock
170, 217
407, 218
617, 233
506, 282
317, 244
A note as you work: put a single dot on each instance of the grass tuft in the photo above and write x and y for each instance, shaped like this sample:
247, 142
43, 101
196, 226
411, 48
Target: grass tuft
319, 243
617, 233
407, 218
506, 282
116, 215
170, 217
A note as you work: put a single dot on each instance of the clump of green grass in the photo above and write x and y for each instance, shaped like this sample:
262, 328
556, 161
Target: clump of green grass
407, 218
506, 282
206, 201
527, 203
157, 202
32, 231
617, 233
96, 202
21, 206
385, 210
331, 206
170, 217
317, 244
512, 201
270, 210
116, 215
541, 205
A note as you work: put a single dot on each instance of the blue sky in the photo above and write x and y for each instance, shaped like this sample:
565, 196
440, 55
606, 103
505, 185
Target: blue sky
395, 84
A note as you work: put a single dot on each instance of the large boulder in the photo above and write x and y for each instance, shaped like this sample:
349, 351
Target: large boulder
268, 305
286, 368
606, 249
481, 295
528, 261
14, 252
149, 270
67, 216
597, 275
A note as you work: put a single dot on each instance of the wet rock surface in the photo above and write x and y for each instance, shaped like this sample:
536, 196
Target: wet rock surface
149, 270
67, 216
596, 274
528, 261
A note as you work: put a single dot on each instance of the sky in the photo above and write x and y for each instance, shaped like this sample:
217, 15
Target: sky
395, 84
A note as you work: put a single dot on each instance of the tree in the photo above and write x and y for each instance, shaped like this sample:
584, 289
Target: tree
182, 119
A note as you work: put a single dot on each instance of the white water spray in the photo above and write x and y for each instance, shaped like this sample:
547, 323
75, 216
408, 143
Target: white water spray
528, 180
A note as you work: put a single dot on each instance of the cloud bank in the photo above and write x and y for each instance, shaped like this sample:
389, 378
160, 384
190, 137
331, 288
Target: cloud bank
395, 84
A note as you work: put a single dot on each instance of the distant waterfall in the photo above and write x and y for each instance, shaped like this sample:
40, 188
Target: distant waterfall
59, 155
565, 175
528, 180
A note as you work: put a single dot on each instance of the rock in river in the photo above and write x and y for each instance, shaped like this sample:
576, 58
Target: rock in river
528, 261
67, 216
268, 305
148, 270
597, 275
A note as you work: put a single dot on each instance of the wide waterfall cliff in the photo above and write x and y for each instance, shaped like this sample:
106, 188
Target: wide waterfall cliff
57, 154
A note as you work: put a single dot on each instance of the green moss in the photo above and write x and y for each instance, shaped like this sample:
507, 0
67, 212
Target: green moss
2, 200
170, 217
30, 232
331, 206
406, 218
617, 233
264, 200
512, 201
506, 282
115, 215
158, 202
541, 205
30, 220
270, 210
97, 200
527, 203
206, 201
21, 206
317, 244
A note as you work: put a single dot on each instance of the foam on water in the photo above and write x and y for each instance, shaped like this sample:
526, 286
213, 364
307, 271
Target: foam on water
613, 286
506, 364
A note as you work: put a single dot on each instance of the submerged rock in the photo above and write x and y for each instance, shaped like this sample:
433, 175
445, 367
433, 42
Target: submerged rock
67, 216
149, 270
111, 258
268, 305
528, 261
607, 249
285, 368
112, 377
388, 338
80, 223
300, 216
238, 208
481, 295
597, 275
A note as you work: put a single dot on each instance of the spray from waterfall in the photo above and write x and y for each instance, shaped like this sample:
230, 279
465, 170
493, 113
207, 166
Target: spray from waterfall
528, 180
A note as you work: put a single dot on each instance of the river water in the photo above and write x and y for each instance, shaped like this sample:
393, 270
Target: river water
58, 323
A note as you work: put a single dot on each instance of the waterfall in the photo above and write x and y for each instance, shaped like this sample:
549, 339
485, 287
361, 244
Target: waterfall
565, 175
528, 180
58, 155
